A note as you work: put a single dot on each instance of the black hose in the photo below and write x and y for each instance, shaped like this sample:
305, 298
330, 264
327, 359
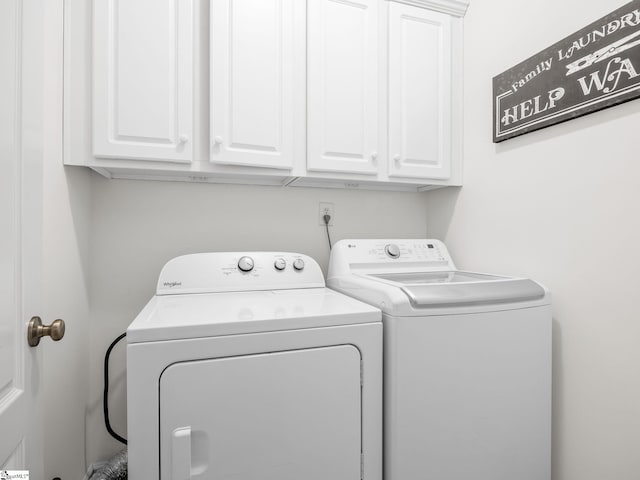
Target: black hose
105, 397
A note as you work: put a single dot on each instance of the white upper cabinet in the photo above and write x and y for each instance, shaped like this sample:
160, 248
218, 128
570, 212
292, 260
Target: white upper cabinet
332, 93
420, 97
343, 86
143, 79
255, 77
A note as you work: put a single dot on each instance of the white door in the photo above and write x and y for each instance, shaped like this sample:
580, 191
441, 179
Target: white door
343, 86
257, 81
21, 57
143, 79
419, 92
274, 416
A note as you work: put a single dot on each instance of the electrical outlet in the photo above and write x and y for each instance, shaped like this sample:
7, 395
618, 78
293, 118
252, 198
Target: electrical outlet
326, 209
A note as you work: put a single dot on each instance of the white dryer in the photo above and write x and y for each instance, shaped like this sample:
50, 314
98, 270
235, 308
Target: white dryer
244, 366
467, 362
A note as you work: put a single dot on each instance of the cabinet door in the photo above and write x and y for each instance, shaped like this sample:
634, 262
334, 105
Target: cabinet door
343, 86
419, 92
142, 79
254, 81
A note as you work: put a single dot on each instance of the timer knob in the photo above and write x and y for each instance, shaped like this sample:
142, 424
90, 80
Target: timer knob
245, 264
298, 264
280, 264
392, 250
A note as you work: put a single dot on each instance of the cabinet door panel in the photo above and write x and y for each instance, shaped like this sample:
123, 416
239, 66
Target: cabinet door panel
253, 75
342, 86
143, 76
419, 92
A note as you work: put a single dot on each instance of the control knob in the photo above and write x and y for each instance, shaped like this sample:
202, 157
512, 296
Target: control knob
245, 264
298, 264
280, 264
392, 250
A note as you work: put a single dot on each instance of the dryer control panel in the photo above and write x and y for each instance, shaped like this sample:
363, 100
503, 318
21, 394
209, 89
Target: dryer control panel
239, 272
369, 256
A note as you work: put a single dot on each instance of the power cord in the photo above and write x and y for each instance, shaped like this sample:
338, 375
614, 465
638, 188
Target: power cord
105, 396
327, 218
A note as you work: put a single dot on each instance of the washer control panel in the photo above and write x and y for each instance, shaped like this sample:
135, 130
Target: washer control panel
236, 271
405, 250
350, 256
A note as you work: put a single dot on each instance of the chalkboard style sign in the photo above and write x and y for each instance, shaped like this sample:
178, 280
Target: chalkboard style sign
595, 68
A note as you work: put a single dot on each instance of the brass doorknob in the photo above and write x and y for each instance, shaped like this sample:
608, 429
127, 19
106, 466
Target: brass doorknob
37, 330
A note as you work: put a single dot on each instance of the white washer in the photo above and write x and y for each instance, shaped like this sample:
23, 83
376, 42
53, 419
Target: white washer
244, 366
467, 362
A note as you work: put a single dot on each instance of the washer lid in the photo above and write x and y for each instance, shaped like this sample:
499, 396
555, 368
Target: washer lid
176, 317
456, 288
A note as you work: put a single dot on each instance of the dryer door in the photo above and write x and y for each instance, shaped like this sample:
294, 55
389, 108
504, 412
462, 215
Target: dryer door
274, 416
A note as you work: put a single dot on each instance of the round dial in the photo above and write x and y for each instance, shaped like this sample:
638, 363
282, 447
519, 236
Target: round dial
392, 250
280, 264
298, 264
245, 264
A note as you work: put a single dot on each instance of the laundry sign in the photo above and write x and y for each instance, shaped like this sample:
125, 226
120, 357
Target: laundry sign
595, 68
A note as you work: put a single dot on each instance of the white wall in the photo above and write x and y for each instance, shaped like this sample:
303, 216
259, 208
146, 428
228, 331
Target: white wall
66, 202
137, 226
66, 296
559, 205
